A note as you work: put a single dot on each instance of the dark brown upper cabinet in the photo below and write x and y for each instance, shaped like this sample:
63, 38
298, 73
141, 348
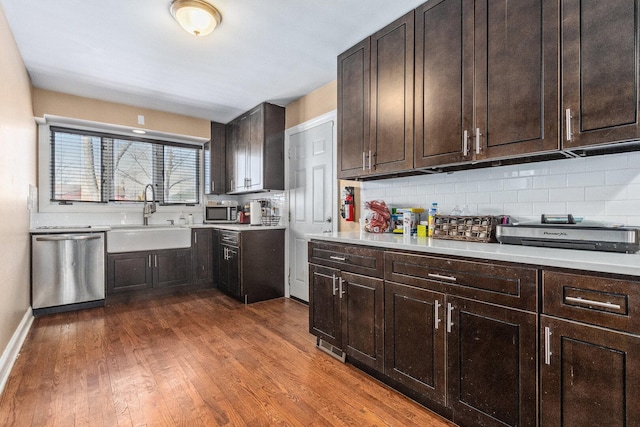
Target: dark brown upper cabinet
600, 72
375, 103
486, 80
215, 161
255, 150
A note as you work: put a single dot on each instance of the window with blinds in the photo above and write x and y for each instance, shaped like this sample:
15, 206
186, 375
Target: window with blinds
101, 168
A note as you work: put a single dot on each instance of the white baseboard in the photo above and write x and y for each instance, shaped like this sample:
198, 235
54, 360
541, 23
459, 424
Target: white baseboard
12, 351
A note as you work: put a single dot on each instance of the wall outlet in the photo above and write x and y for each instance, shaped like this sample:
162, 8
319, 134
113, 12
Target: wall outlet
140, 120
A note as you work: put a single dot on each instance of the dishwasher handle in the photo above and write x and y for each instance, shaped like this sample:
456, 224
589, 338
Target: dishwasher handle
59, 237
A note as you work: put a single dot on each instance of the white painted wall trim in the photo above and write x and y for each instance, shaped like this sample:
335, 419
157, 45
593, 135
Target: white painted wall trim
12, 351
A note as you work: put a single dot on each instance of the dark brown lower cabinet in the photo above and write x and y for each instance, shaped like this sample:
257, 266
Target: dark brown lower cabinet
202, 245
590, 376
415, 339
491, 364
362, 300
347, 311
325, 316
140, 271
251, 264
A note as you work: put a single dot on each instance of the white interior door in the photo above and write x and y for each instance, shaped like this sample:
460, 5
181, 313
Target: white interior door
311, 196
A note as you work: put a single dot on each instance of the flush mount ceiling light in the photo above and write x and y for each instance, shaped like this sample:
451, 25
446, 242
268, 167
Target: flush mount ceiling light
197, 17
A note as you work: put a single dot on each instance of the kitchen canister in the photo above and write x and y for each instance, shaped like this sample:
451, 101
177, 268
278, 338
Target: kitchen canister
256, 213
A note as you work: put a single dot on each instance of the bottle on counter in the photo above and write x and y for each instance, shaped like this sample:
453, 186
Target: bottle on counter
433, 211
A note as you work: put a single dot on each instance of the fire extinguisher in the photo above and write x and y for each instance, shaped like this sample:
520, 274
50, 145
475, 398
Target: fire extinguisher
348, 209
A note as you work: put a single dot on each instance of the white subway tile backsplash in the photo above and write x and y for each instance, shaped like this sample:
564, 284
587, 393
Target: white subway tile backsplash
530, 196
602, 188
603, 163
518, 183
566, 194
585, 179
550, 181
566, 166
504, 197
483, 197
605, 192
623, 176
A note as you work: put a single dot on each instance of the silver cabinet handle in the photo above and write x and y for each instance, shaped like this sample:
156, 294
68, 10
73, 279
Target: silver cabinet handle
478, 140
364, 160
155, 261
441, 277
195, 237
335, 289
337, 258
465, 143
449, 317
547, 345
369, 159
592, 302
149, 260
60, 237
567, 121
213, 186
436, 315
342, 291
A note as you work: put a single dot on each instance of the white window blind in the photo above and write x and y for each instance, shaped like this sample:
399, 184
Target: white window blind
102, 168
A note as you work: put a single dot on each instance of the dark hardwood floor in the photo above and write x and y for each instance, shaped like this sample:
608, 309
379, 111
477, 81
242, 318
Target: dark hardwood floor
201, 359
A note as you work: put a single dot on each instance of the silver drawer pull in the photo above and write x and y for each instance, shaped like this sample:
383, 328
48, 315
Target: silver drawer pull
436, 310
591, 302
337, 258
449, 317
441, 277
547, 345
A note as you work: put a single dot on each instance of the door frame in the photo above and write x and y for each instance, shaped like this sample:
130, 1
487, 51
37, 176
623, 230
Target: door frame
331, 116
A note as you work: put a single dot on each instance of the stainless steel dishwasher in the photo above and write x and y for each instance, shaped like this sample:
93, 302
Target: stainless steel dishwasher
67, 271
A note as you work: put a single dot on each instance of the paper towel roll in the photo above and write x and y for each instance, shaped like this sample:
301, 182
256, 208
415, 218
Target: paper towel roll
256, 213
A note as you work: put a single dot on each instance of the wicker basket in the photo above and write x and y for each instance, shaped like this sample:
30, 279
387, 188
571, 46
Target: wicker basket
466, 228
270, 219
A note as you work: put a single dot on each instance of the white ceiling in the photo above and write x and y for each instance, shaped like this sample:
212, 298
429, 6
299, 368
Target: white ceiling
133, 52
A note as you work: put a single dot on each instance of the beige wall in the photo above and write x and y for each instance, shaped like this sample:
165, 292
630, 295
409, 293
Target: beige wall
316, 103
77, 107
17, 171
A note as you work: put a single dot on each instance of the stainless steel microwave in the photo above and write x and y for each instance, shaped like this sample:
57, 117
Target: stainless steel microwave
220, 214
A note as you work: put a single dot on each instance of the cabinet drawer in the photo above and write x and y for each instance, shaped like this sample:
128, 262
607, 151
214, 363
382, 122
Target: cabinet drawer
612, 303
355, 259
230, 238
507, 285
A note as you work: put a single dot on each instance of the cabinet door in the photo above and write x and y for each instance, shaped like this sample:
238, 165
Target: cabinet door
391, 105
231, 181
129, 271
353, 110
362, 300
215, 256
589, 376
324, 304
234, 278
492, 364
223, 266
241, 152
414, 339
600, 71
202, 247
172, 267
440, 73
217, 159
255, 149
516, 77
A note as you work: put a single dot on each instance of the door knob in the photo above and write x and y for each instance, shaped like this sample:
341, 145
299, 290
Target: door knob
328, 219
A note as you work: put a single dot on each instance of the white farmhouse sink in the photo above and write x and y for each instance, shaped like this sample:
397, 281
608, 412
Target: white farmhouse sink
147, 238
